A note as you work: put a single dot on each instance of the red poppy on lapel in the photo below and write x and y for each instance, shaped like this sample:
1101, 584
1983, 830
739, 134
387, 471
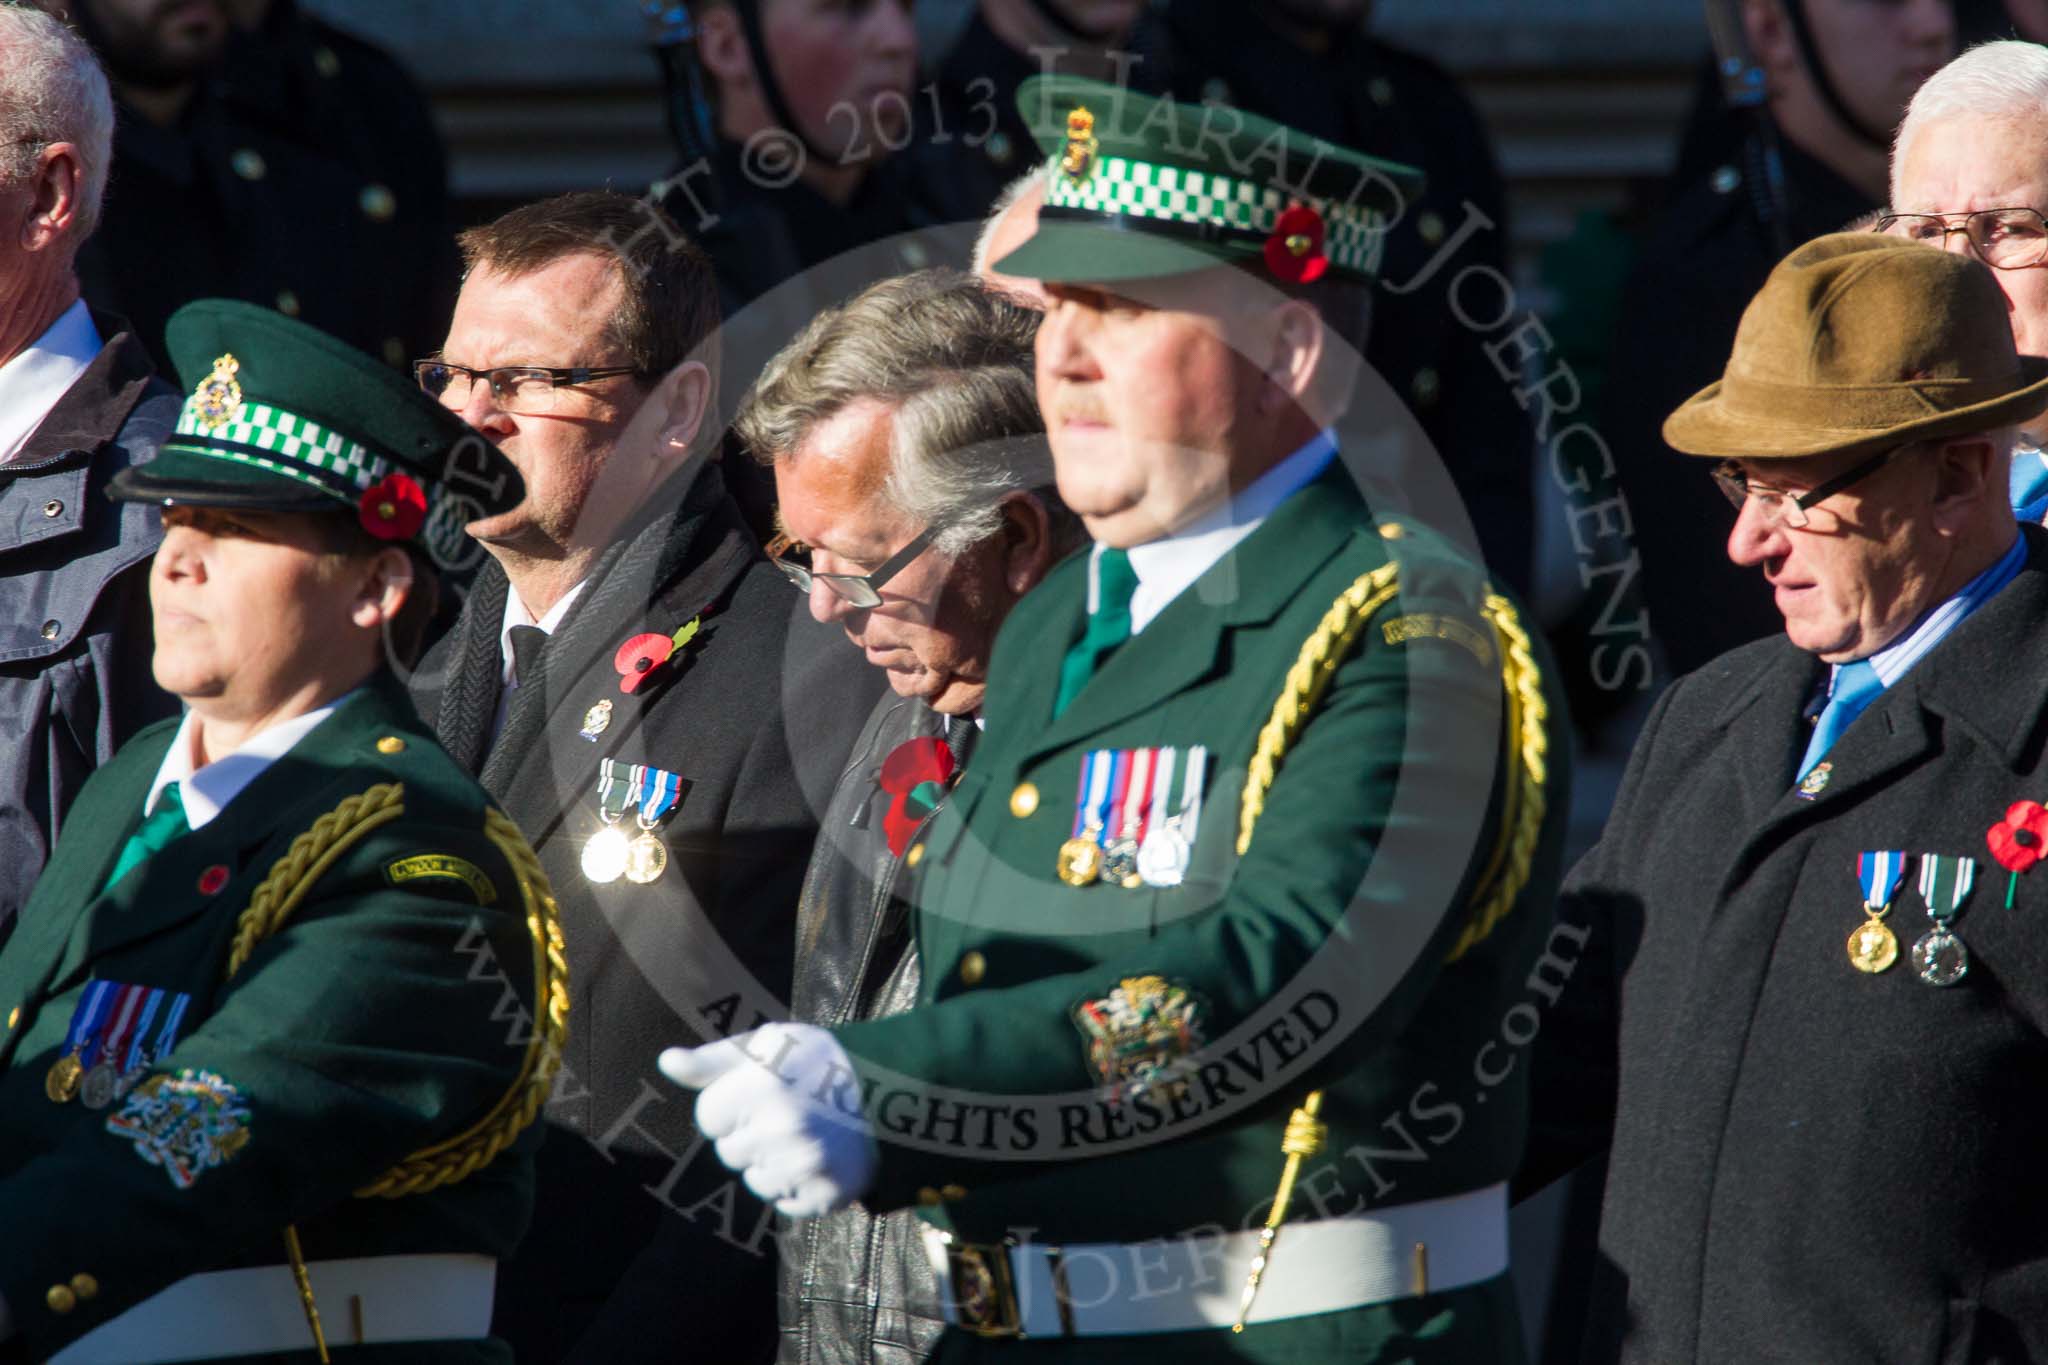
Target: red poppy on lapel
642, 656
393, 508
2021, 839
212, 880
639, 657
1295, 251
914, 775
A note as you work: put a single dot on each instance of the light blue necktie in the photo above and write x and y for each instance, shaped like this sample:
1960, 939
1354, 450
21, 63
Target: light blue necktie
1856, 686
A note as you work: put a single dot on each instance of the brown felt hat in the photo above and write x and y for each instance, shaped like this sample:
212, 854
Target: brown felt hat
1859, 342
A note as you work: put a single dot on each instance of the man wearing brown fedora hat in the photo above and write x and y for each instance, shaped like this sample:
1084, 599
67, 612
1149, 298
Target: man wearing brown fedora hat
1811, 1005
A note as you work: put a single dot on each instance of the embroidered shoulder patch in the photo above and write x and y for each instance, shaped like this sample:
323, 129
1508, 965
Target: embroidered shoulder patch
445, 866
1430, 626
185, 1124
1141, 1034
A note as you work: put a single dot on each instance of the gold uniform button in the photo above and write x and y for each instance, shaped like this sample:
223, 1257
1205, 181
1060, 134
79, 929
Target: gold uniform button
60, 1298
972, 968
391, 744
1024, 800
14, 1016
927, 1196
952, 1193
51, 630
248, 163
915, 856
378, 203
84, 1286
287, 303
1392, 530
1430, 227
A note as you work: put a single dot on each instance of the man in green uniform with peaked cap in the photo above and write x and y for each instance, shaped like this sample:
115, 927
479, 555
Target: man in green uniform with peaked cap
289, 991
1220, 929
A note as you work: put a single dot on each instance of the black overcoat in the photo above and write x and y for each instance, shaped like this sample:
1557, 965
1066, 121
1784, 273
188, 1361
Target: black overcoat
643, 1246
1810, 1162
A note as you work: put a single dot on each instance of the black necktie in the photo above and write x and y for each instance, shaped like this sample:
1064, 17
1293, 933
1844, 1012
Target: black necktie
527, 644
961, 732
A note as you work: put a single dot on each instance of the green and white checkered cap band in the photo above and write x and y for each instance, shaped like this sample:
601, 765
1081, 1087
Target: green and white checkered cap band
1353, 237
282, 442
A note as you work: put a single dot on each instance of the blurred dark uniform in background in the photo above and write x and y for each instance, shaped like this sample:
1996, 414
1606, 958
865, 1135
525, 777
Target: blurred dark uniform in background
745, 200
976, 86
791, 226
300, 169
1753, 194
1697, 272
1311, 65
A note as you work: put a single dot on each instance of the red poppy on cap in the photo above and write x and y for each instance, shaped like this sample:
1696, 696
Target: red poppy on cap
639, 657
1295, 250
393, 508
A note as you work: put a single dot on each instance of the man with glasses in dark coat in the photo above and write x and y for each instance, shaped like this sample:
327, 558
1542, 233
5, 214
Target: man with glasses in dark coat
646, 697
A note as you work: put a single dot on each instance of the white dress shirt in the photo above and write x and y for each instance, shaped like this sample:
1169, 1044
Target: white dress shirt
206, 791
516, 614
32, 382
1166, 568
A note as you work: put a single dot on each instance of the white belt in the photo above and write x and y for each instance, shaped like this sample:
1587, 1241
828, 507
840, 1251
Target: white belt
362, 1302
1032, 1289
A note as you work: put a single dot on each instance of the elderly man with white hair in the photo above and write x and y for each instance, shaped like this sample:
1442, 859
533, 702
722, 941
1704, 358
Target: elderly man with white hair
78, 404
1970, 172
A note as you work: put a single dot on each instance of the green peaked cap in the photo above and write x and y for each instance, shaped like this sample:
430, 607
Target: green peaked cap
1139, 187
281, 417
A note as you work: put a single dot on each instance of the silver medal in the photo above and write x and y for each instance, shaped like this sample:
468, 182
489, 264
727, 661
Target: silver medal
605, 856
1940, 958
1163, 857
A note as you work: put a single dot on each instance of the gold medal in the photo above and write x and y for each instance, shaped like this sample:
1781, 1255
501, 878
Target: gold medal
646, 859
1080, 861
605, 856
1873, 947
61, 1084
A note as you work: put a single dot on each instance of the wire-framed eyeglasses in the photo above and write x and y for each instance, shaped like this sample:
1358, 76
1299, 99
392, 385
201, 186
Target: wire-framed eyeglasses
2004, 239
862, 590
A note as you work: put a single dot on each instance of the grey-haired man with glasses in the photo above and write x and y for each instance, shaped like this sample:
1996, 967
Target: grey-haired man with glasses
916, 507
1969, 172
632, 681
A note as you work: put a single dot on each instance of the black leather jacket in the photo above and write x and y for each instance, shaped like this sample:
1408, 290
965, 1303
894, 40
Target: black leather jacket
856, 1289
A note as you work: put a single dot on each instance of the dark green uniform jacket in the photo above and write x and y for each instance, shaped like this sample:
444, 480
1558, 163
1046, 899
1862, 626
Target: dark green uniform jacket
389, 1009
1412, 795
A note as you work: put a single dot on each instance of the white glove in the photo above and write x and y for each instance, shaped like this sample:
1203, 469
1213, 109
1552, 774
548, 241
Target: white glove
775, 1104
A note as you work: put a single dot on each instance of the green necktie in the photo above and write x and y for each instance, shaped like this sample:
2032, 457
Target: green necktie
1109, 625
158, 828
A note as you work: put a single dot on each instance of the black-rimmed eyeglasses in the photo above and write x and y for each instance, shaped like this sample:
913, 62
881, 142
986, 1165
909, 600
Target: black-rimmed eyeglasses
862, 590
521, 389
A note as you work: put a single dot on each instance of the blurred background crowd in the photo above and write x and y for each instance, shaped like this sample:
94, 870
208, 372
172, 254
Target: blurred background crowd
1609, 183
